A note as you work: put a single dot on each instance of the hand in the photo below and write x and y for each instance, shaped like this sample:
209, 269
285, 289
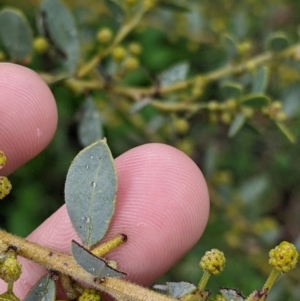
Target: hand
162, 200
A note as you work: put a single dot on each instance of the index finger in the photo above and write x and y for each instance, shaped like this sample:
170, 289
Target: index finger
28, 115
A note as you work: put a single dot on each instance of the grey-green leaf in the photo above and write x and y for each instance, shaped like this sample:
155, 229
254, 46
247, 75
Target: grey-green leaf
260, 80
176, 289
117, 11
59, 26
93, 264
231, 46
231, 89
177, 72
15, 33
43, 290
173, 7
285, 131
231, 294
90, 192
257, 100
90, 123
237, 123
277, 41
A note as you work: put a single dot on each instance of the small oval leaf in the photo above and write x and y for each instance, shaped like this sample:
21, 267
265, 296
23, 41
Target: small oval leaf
89, 127
260, 80
231, 294
277, 41
173, 7
285, 131
59, 27
257, 100
43, 290
90, 192
231, 89
237, 123
231, 46
176, 73
115, 9
93, 264
15, 34
176, 289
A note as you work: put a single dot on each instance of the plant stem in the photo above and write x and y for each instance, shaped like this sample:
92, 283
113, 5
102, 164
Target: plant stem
203, 281
65, 264
124, 31
271, 279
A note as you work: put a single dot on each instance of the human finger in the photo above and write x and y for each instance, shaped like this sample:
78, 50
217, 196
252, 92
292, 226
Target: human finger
28, 115
162, 208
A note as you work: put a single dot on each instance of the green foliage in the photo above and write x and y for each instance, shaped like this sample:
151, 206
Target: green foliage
43, 290
223, 66
91, 185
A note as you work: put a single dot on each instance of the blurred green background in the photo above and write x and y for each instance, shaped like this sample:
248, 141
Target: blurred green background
253, 177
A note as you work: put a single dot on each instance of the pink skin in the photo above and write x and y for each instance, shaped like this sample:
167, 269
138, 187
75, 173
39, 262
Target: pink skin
162, 200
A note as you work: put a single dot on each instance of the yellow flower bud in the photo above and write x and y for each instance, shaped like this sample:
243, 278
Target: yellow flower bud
213, 262
5, 187
10, 268
181, 125
131, 63
40, 45
90, 295
284, 257
2, 159
119, 53
135, 48
104, 35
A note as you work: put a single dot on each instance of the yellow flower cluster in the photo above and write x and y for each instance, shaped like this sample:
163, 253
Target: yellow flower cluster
284, 257
213, 262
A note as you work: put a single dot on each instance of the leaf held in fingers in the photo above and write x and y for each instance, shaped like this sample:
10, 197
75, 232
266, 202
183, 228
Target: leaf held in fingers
15, 34
43, 290
90, 192
93, 264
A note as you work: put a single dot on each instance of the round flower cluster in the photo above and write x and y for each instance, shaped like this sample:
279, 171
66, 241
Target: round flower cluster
284, 257
90, 295
10, 268
213, 262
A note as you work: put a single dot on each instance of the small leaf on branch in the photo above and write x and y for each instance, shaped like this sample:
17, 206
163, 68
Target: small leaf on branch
171, 6
90, 192
115, 10
43, 290
277, 41
93, 264
231, 89
175, 73
236, 125
90, 124
257, 100
232, 294
285, 131
57, 24
260, 80
15, 34
176, 289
